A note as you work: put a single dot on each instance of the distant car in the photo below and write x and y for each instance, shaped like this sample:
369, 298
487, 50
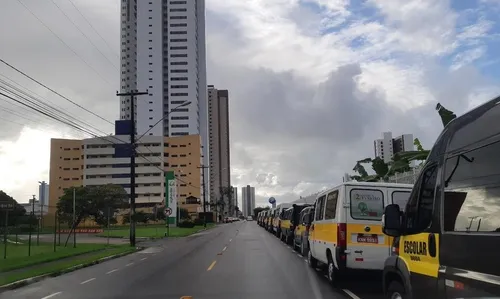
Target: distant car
249, 218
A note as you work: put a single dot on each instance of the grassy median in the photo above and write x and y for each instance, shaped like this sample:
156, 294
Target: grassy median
17, 254
58, 267
153, 231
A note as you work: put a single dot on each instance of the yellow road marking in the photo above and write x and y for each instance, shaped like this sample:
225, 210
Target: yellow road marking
211, 265
186, 297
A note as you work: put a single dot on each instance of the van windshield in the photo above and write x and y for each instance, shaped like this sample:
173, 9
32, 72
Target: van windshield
400, 198
367, 204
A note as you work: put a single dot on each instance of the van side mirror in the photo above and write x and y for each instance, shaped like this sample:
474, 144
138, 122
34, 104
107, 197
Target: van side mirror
391, 221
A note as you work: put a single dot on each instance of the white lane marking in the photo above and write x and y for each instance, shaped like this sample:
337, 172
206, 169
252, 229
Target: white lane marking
129, 264
143, 258
299, 255
51, 295
224, 248
109, 272
88, 280
351, 294
230, 240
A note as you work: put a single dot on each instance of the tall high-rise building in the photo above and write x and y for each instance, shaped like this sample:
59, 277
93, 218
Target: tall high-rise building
247, 200
387, 147
163, 52
218, 129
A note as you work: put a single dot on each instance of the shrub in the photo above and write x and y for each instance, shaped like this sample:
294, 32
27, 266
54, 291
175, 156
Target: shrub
186, 223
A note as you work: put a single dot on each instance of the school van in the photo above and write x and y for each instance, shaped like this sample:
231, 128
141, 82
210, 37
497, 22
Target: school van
301, 234
447, 237
290, 222
278, 217
346, 233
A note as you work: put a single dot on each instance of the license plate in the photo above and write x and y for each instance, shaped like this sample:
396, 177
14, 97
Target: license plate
373, 239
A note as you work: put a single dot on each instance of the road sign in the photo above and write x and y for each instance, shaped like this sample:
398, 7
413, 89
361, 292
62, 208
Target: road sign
168, 211
7, 206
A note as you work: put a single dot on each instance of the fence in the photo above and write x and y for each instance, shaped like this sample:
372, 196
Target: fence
409, 177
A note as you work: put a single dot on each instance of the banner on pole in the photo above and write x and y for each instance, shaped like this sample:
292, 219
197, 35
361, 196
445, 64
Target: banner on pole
171, 193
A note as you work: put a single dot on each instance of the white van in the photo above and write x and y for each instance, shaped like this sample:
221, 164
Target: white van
346, 233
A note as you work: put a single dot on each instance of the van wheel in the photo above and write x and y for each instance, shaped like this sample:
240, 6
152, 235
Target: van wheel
303, 249
331, 270
313, 263
396, 291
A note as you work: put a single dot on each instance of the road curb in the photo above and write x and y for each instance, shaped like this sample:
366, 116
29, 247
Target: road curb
31, 280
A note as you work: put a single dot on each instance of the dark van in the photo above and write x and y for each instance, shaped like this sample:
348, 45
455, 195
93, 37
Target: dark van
447, 239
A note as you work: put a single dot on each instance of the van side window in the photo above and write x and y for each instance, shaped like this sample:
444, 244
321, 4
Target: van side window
421, 205
320, 208
472, 191
331, 205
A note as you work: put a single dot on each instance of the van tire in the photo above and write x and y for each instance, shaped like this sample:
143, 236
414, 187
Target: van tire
303, 249
313, 263
396, 291
331, 271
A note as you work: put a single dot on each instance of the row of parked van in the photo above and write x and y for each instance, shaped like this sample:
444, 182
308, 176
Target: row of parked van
438, 238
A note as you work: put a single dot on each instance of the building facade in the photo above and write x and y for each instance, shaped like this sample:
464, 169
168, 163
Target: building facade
163, 52
387, 147
248, 200
218, 132
66, 168
104, 160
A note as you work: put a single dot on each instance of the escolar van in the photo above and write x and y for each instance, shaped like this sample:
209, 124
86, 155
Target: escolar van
346, 233
447, 238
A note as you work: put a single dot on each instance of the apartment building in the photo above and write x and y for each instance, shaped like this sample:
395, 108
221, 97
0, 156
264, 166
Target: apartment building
218, 132
184, 158
247, 200
387, 147
163, 52
66, 168
106, 160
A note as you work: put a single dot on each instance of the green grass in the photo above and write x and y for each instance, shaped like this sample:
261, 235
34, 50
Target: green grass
17, 254
54, 268
153, 231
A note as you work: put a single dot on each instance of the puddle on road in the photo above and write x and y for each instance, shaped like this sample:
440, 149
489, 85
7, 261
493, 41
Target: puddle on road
151, 250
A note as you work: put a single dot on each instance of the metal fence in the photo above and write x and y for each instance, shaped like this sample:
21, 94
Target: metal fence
409, 177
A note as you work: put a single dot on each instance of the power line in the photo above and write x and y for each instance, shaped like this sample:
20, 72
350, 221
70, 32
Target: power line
90, 24
40, 105
62, 41
83, 33
52, 90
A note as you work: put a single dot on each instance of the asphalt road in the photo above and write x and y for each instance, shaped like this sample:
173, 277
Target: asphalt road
238, 260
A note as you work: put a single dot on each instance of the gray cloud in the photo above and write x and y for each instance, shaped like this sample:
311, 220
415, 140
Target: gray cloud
283, 128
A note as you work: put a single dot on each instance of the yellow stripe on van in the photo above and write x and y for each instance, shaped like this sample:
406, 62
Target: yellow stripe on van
325, 232
414, 251
285, 224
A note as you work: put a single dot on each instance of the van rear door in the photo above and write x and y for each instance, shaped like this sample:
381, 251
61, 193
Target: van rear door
366, 244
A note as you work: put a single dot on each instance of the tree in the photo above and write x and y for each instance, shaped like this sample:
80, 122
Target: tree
184, 214
380, 167
92, 202
227, 192
17, 215
418, 145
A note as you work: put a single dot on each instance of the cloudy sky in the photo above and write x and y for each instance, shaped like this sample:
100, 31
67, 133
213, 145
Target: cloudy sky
312, 82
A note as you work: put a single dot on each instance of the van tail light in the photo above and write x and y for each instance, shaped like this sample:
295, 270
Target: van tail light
342, 239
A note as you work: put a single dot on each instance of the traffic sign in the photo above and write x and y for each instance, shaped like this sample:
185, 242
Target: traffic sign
168, 211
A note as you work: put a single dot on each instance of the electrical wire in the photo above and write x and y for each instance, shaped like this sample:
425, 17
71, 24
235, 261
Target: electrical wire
52, 90
63, 42
85, 35
91, 26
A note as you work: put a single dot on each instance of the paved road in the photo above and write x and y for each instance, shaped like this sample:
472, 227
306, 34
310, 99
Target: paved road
238, 260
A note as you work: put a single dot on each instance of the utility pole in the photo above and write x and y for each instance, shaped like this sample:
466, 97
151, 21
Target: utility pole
132, 94
203, 167
31, 220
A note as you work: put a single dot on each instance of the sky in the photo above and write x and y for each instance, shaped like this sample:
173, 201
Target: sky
311, 82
